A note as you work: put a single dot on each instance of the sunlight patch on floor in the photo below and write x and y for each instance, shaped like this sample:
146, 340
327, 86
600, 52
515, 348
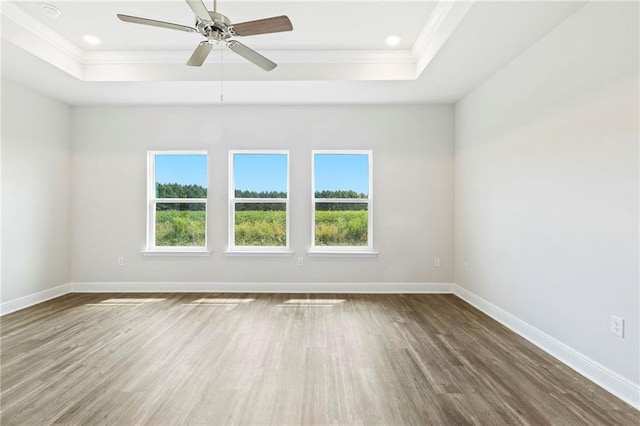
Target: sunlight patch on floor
125, 302
314, 303
218, 302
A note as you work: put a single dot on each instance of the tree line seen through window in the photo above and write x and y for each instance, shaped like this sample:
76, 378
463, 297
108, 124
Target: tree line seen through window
176, 190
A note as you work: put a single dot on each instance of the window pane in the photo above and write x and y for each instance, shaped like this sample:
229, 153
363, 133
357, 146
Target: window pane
260, 175
260, 224
180, 225
341, 224
181, 176
341, 175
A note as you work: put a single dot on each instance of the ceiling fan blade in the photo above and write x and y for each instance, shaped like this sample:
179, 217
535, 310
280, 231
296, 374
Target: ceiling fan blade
200, 54
154, 23
200, 10
262, 26
251, 55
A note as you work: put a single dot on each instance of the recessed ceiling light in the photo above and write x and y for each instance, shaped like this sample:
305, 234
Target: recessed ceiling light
393, 40
50, 10
91, 39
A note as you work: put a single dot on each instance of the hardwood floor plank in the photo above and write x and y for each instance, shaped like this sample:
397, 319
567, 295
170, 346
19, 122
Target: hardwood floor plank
282, 359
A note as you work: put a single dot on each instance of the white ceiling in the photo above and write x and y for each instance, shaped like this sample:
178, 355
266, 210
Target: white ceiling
318, 25
335, 55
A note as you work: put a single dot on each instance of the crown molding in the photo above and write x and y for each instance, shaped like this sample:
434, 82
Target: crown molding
439, 13
40, 30
280, 56
444, 19
35, 37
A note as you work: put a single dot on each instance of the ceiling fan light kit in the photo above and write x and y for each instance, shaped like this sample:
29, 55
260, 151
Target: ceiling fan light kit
217, 28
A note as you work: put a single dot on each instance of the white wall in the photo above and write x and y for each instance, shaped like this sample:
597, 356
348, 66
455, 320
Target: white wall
546, 185
36, 142
413, 189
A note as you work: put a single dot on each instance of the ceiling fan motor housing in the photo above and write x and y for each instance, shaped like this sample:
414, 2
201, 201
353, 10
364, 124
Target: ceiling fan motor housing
217, 28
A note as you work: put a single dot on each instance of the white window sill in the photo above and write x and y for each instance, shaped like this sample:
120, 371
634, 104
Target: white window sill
341, 253
191, 252
259, 253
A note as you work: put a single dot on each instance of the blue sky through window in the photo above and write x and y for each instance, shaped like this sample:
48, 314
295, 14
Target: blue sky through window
260, 172
182, 169
268, 172
338, 172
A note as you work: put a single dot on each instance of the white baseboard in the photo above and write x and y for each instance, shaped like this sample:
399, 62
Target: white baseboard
592, 370
213, 287
34, 299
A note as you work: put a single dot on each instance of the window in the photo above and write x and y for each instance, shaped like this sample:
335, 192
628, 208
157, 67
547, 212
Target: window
342, 200
177, 201
259, 201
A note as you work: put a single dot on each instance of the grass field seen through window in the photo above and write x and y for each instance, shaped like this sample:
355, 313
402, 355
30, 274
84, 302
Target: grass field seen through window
261, 228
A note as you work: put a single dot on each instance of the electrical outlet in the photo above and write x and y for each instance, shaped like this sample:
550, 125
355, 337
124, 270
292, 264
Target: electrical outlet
121, 261
300, 261
617, 326
436, 262
465, 266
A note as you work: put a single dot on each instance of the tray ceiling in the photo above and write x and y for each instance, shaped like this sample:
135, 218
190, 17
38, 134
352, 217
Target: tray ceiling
336, 53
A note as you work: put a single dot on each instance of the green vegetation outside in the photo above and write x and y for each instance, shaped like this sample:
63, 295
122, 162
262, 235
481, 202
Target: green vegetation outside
175, 228
341, 228
180, 228
261, 228
175, 190
262, 224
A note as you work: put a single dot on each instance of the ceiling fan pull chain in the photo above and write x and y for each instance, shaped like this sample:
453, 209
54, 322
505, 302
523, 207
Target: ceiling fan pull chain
221, 72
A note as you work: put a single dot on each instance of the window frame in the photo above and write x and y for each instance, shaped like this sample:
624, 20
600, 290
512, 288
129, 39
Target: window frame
368, 249
232, 201
153, 200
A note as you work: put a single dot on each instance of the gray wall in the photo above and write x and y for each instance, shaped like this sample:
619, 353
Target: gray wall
546, 185
412, 174
36, 142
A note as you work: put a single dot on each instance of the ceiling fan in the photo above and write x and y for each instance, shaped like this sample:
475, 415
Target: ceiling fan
218, 28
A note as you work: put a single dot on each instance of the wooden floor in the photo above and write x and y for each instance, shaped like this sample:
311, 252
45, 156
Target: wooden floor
201, 359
